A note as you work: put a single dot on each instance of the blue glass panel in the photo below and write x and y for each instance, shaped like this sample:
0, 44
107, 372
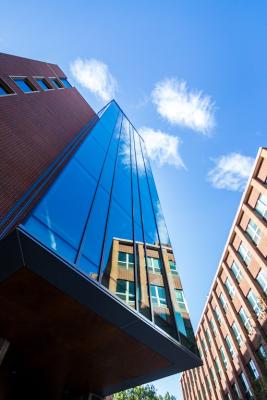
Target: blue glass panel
90, 155
65, 83
3, 91
56, 83
49, 238
95, 231
64, 208
24, 85
43, 84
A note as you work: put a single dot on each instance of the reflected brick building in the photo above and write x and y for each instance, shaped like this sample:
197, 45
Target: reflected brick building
91, 300
232, 333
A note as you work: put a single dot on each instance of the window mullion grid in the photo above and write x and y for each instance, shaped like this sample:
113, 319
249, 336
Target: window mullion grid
217, 355
255, 323
241, 328
206, 359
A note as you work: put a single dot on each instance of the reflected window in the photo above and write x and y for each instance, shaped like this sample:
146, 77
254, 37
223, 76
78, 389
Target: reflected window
218, 314
125, 260
173, 267
125, 291
158, 296
180, 299
154, 265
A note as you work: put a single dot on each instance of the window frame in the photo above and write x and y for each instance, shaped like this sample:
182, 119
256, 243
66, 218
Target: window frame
47, 82
237, 334
127, 293
9, 91
245, 254
27, 81
236, 270
52, 78
128, 265
245, 319
153, 269
254, 232
158, 303
262, 281
261, 206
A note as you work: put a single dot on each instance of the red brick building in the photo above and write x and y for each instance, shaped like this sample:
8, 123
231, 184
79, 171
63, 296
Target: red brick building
232, 333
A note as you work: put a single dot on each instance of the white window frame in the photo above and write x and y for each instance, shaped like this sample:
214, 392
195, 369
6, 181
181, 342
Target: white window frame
245, 381
262, 280
237, 334
129, 298
244, 254
245, 319
236, 271
253, 369
223, 301
125, 264
154, 268
218, 315
261, 206
230, 346
181, 303
254, 231
158, 298
224, 358
254, 302
230, 288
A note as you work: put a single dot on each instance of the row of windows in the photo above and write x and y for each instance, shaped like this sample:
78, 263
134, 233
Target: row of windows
27, 86
125, 290
126, 260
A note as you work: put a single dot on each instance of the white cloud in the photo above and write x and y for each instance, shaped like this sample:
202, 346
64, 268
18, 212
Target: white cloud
180, 106
161, 147
95, 76
231, 172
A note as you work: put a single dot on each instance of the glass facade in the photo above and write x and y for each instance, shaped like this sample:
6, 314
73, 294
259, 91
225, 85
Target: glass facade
103, 216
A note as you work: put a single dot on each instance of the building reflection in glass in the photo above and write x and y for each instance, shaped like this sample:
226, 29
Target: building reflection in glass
102, 215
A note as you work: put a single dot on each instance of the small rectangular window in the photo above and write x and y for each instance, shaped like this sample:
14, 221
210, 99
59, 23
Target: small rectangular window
65, 83
56, 83
237, 272
261, 206
244, 254
25, 85
158, 296
43, 83
154, 265
125, 260
253, 370
262, 280
254, 232
245, 319
4, 89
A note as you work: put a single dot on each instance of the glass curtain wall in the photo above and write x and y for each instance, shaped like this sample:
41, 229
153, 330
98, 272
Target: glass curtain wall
103, 216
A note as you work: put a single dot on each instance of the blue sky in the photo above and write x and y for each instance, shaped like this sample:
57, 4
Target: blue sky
191, 73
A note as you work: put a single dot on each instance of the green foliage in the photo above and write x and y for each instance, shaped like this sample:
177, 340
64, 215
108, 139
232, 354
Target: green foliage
147, 392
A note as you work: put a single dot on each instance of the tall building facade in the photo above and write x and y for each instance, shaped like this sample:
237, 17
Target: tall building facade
91, 299
232, 333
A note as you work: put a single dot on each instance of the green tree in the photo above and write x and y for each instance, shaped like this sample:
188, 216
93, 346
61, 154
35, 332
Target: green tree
147, 392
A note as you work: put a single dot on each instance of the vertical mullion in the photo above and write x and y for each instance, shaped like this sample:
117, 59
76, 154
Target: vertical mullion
143, 234
85, 229
99, 277
161, 251
134, 247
